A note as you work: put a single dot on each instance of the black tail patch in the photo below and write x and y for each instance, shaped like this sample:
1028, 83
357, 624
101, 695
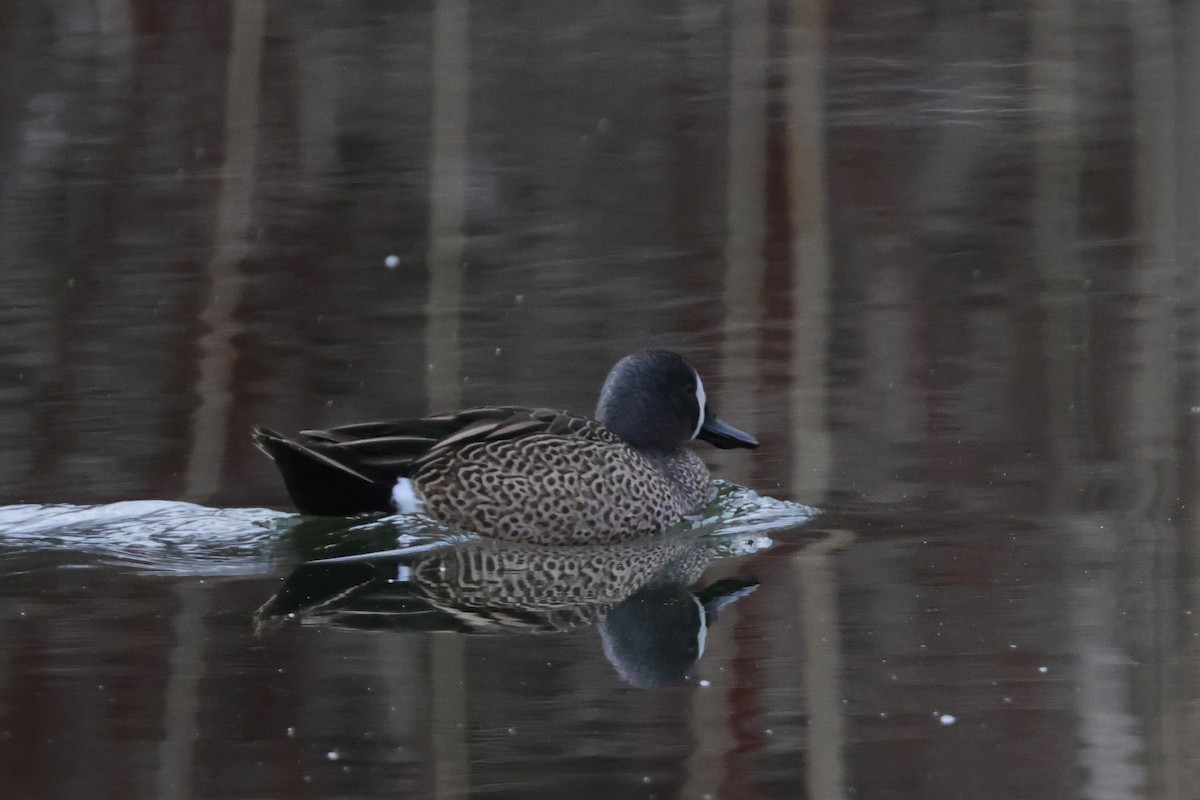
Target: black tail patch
321, 484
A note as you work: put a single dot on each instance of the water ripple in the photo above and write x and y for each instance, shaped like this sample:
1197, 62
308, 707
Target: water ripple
737, 509
184, 538
150, 535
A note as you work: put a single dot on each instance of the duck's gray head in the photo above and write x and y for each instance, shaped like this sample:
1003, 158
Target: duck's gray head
655, 401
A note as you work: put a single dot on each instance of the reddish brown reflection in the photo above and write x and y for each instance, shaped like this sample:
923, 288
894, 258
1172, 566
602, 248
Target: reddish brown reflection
939, 258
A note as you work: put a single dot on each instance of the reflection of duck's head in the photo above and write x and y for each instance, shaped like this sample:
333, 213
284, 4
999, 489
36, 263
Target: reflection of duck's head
654, 636
652, 626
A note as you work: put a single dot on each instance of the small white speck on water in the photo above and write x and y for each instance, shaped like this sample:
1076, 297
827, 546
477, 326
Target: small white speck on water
291, 732
1012, 647
1043, 670
329, 404
512, 731
1008, 699
645, 779
947, 719
519, 299
705, 683
769, 731
392, 261
333, 755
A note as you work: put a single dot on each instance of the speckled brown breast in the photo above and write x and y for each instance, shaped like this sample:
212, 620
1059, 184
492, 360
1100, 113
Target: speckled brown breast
546, 488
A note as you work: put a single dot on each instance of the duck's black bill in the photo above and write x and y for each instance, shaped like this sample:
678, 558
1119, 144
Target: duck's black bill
725, 592
721, 434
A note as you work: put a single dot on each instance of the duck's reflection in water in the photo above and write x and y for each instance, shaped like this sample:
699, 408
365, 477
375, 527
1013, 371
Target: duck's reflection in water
652, 620
654, 636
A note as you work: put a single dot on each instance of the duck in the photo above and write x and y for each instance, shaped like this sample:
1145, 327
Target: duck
534, 475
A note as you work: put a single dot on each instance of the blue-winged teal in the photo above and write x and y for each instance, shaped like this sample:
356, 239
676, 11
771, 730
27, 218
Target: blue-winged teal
532, 475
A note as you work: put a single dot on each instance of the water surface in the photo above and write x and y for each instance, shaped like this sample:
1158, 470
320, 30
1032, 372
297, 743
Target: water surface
939, 258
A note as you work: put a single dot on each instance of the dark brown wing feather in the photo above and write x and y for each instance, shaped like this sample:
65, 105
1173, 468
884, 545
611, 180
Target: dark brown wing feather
398, 447
435, 427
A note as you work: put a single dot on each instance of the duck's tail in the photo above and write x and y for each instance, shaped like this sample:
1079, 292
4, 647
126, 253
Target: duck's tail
319, 482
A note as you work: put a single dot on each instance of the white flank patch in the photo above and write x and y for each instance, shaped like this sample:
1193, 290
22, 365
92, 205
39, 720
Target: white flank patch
702, 399
404, 497
703, 634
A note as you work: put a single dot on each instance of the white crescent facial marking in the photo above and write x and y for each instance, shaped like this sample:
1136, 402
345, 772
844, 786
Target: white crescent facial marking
702, 399
405, 499
703, 633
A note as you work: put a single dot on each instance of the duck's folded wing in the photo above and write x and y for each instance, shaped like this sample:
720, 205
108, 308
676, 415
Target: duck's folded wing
435, 427
398, 446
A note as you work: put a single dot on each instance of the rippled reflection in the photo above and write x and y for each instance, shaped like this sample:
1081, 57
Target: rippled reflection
652, 626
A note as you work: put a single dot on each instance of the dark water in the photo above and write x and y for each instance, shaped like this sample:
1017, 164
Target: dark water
939, 257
